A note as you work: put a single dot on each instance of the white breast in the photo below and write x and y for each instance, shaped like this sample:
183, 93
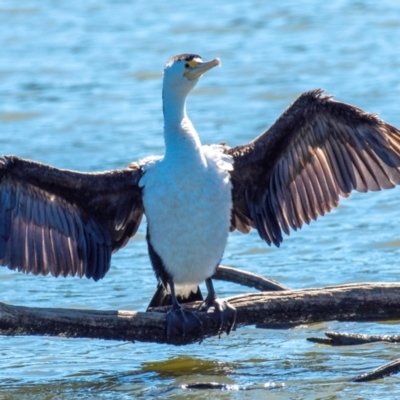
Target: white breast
188, 203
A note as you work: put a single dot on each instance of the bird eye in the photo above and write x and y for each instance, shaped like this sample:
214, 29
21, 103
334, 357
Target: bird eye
187, 65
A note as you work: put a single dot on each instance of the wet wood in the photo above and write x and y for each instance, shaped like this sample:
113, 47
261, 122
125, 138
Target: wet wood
355, 302
351, 339
381, 372
248, 279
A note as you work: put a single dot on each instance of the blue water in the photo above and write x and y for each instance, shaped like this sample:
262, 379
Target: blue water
80, 87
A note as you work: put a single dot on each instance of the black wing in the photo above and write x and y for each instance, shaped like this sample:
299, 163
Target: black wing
65, 222
317, 150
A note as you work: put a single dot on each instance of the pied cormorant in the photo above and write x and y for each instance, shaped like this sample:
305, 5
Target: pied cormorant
65, 222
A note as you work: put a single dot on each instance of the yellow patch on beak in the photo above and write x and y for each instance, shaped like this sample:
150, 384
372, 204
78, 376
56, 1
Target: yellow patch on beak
193, 63
199, 67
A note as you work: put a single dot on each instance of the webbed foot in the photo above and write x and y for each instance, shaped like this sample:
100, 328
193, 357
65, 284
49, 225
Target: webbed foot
224, 314
181, 321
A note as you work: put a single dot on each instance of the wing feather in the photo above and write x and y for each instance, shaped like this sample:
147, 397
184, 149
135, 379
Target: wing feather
65, 222
317, 151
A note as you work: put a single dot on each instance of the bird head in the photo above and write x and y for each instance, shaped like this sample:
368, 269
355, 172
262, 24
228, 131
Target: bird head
183, 71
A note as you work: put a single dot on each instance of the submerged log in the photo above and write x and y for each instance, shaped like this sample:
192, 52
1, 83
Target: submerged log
353, 302
248, 279
351, 339
390, 368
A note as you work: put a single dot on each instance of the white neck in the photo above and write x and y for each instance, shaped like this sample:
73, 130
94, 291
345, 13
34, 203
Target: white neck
179, 133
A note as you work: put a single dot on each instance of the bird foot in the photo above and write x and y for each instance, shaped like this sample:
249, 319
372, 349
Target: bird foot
224, 314
181, 322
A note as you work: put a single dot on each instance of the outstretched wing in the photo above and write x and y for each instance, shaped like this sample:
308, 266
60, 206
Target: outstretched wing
317, 150
65, 222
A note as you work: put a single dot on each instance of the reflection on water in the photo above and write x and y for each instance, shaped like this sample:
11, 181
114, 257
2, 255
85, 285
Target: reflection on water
390, 244
16, 116
80, 87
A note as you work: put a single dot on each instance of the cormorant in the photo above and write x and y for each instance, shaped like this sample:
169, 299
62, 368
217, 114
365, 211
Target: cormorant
69, 223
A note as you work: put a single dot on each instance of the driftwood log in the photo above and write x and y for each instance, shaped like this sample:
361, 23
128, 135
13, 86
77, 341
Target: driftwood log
248, 279
351, 339
352, 302
381, 372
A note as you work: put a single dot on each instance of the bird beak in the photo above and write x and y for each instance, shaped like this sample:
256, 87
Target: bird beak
198, 70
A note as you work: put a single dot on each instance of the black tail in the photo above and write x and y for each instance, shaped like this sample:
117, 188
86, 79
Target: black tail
163, 298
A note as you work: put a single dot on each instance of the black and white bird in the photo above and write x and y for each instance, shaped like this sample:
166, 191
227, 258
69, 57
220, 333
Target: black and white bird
64, 222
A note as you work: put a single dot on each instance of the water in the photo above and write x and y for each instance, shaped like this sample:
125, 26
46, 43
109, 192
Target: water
80, 86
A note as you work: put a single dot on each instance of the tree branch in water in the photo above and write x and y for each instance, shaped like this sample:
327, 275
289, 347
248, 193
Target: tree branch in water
248, 279
354, 302
381, 372
350, 339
